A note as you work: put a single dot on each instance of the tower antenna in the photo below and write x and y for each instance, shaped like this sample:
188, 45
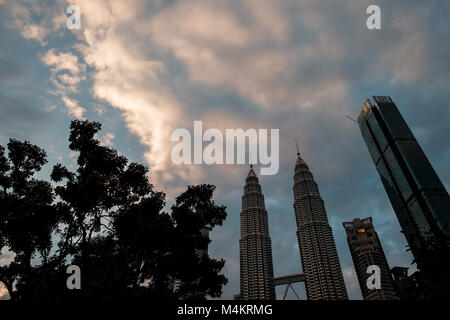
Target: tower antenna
352, 119
296, 144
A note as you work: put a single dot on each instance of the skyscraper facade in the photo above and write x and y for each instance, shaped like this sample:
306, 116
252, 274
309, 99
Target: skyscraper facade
365, 248
324, 280
417, 195
255, 248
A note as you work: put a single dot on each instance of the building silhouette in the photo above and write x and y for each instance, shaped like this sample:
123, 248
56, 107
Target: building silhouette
365, 248
405, 285
323, 275
255, 248
417, 195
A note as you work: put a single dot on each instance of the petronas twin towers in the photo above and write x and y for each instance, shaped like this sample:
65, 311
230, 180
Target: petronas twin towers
322, 271
255, 246
324, 280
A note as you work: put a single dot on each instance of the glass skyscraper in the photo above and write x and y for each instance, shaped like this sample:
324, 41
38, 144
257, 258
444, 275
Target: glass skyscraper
417, 195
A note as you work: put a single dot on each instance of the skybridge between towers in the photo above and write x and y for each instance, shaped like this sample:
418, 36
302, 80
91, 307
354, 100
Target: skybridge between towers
288, 281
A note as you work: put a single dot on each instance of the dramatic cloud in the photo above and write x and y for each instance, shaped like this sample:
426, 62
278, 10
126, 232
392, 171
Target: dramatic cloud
67, 73
127, 78
23, 14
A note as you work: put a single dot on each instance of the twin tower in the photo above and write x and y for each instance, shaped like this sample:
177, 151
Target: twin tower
322, 271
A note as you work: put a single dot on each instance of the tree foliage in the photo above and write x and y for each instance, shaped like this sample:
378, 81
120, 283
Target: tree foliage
432, 281
106, 218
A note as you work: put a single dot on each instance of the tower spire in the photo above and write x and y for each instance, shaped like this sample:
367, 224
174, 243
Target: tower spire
251, 173
296, 144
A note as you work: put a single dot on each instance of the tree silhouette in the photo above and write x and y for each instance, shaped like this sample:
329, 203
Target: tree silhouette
195, 214
432, 281
106, 218
27, 216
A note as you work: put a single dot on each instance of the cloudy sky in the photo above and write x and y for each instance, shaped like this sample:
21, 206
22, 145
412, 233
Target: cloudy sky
144, 69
